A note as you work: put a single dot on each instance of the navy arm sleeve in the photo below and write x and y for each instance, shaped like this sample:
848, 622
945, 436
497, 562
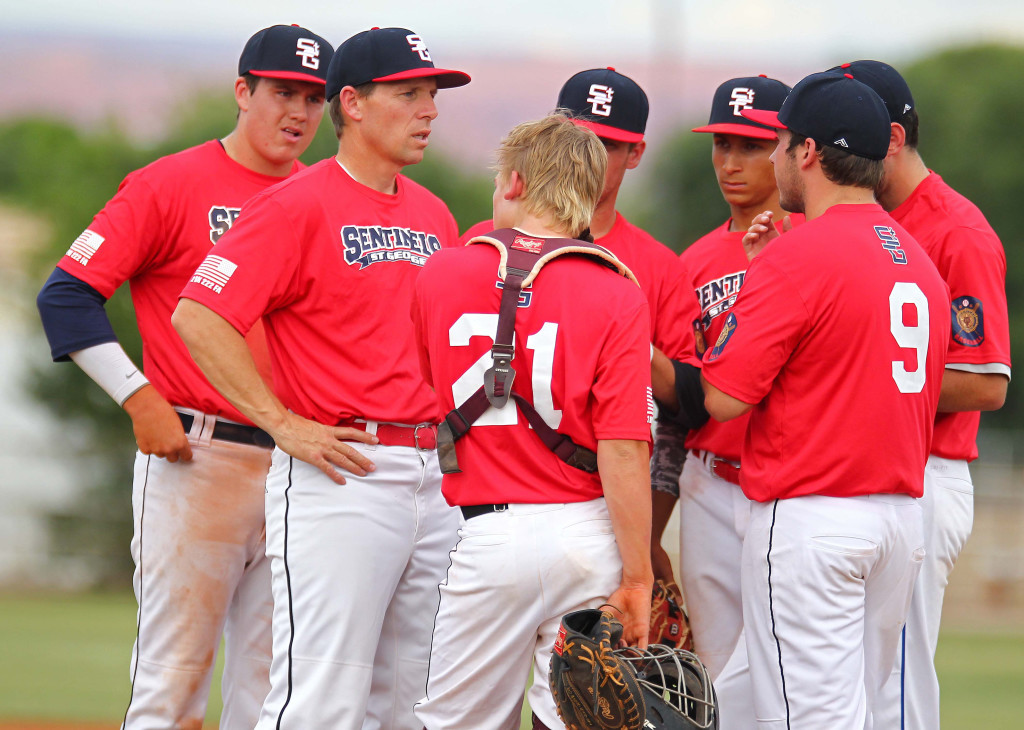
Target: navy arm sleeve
73, 315
690, 395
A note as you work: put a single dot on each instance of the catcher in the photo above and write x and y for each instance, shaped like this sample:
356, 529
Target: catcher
550, 469
599, 687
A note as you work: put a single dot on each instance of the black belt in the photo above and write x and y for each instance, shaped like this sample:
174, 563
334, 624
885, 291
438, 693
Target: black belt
234, 432
476, 510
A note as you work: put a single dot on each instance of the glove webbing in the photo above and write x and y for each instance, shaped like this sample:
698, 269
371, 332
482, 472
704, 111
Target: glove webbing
520, 265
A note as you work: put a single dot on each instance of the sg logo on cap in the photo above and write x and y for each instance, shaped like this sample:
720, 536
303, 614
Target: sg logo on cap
418, 46
742, 98
600, 99
309, 50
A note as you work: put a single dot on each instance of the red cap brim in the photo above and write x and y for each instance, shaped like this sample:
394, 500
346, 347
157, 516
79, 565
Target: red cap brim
606, 132
765, 117
446, 78
740, 130
290, 75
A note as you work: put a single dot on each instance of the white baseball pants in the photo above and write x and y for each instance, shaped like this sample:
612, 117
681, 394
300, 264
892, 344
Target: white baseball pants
513, 575
910, 700
826, 588
356, 569
713, 519
200, 571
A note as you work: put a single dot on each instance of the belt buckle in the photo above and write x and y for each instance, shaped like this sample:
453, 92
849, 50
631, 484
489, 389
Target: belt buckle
416, 434
501, 507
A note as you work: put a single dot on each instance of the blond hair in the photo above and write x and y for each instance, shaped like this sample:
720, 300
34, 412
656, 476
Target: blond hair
562, 166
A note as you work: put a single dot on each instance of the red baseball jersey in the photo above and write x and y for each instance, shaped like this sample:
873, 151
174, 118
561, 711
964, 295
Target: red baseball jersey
971, 259
330, 266
839, 337
661, 278
715, 266
153, 233
582, 358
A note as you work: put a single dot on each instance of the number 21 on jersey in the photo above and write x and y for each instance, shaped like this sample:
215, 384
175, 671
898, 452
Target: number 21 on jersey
542, 343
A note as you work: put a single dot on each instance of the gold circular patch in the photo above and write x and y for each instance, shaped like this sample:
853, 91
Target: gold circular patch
967, 318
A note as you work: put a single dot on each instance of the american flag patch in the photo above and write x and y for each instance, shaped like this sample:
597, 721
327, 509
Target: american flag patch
85, 246
650, 405
214, 273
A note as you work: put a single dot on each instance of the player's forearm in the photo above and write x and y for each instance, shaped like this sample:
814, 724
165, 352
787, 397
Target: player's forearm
222, 354
966, 391
722, 406
624, 469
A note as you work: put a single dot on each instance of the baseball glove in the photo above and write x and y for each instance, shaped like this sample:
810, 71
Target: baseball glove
593, 688
669, 623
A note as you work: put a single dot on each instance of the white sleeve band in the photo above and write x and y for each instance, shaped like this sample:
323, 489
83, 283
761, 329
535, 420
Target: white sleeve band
109, 365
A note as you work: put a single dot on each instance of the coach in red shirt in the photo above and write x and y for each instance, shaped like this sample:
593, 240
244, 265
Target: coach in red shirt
836, 348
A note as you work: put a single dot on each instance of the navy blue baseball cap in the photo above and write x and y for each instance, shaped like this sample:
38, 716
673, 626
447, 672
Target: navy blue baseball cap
887, 83
835, 110
748, 92
286, 52
606, 102
386, 54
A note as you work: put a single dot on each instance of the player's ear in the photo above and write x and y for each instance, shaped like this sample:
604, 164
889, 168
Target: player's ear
515, 186
350, 103
807, 153
897, 138
635, 153
242, 94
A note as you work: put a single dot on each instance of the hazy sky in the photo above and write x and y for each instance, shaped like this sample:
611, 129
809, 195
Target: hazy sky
692, 30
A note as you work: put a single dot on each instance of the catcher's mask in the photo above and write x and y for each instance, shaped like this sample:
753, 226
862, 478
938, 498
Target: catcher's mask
678, 694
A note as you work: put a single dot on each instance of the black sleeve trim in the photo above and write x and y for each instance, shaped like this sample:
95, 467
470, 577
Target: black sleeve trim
73, 315
690, 396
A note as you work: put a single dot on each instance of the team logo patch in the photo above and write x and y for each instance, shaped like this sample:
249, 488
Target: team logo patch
214, 273
85, 246
560, 641
369, 245
221, 219
742, 98
530, 245
700, 344
600, 99
968, 324
727, 332
309, 51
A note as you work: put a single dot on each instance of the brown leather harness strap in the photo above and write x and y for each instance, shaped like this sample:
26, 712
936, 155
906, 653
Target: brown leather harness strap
522, 258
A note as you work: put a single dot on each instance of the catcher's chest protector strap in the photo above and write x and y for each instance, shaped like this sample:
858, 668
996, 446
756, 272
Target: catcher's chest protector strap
522, 258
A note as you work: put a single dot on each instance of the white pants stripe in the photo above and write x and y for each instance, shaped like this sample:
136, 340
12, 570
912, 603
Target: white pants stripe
200, 572
910, 699
355, 574
513, 575
713, 518
826, 589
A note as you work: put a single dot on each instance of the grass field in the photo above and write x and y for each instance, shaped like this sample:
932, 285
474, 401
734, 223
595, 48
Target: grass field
64, 659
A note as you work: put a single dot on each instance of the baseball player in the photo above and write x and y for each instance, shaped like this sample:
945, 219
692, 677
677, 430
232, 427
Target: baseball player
544, 531
615, 108
328, 260
971, 260
200, 566
713, 511
835, 347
